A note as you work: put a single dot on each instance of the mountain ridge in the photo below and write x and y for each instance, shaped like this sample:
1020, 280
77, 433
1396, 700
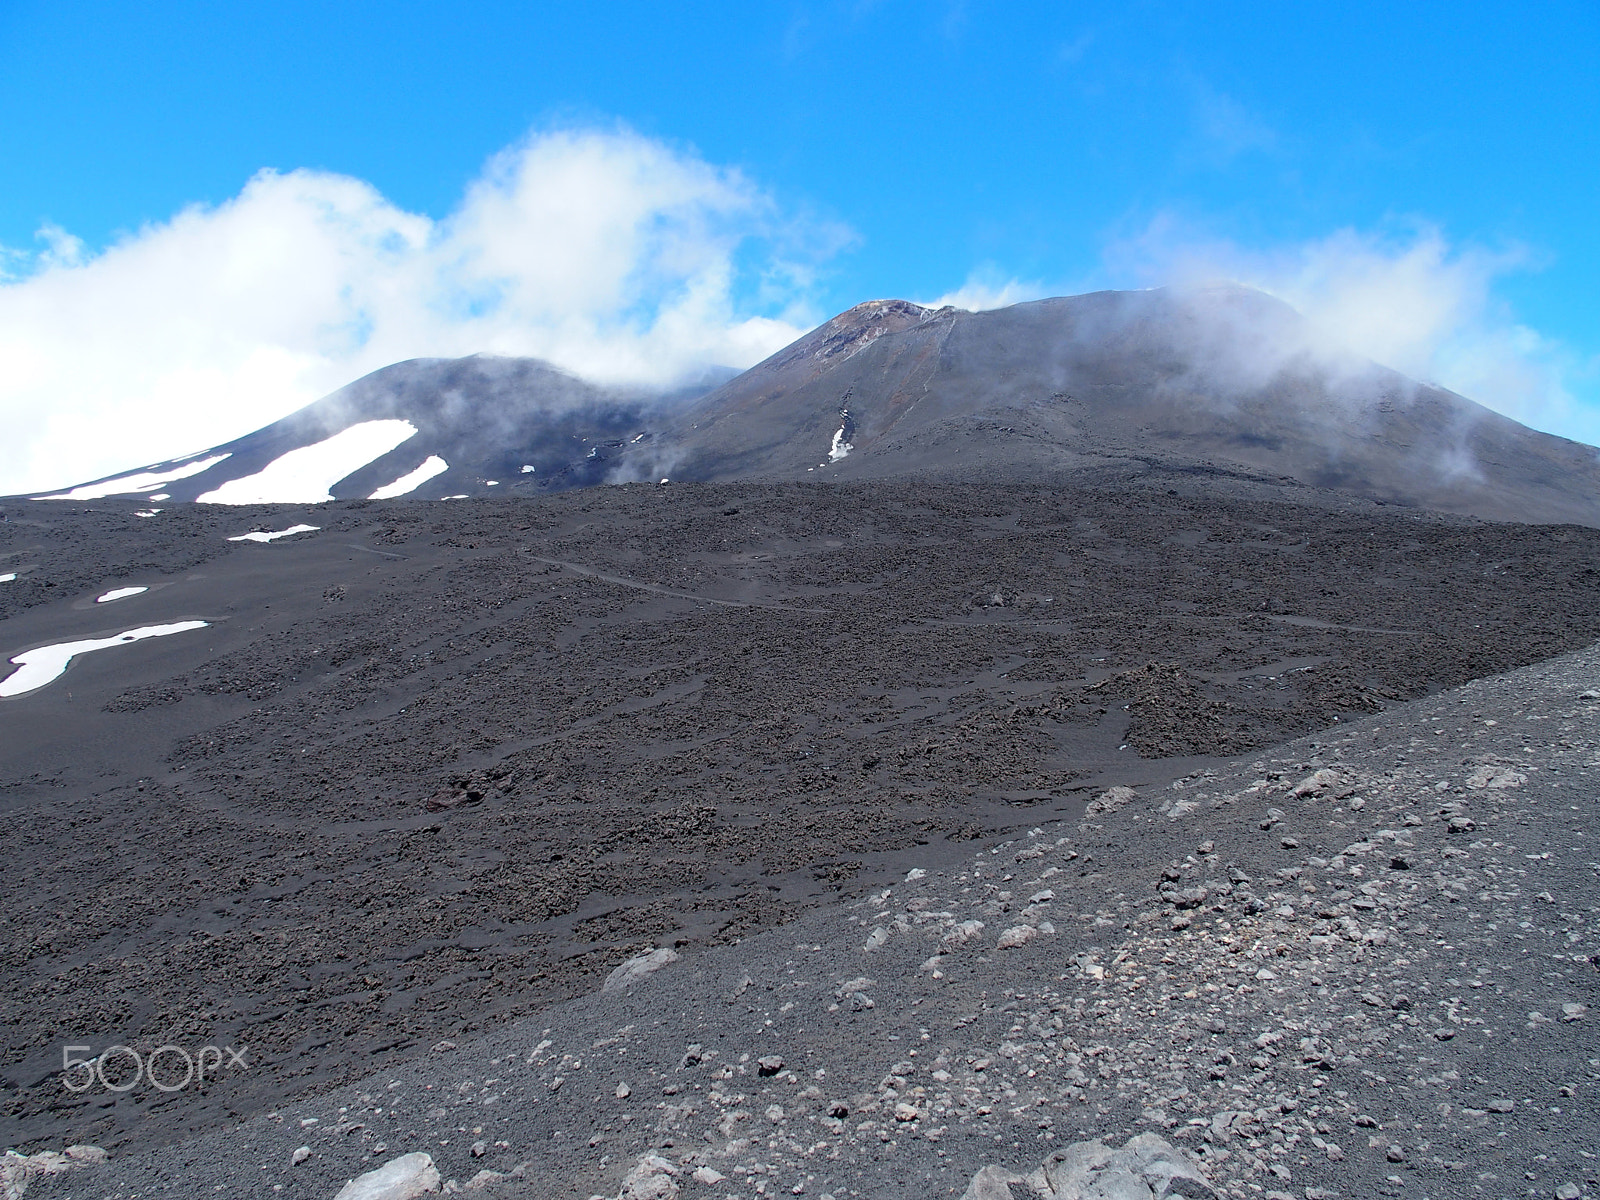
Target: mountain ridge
1219, 377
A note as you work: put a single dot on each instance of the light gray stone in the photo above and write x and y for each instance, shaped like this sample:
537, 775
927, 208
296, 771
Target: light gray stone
992, 1183
636, 968
652, 1178
1147, 1166
403, 1178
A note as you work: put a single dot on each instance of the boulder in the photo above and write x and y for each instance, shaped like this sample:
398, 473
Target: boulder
1147, 1168
403, 1178
18, 1170
652, 1178
1318, 782
992, 1183
1110, 800
636, 968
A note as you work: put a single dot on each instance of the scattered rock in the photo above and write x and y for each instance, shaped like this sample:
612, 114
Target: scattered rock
1110, 800
1317, 783
300, 1155
403, 1178
1017, 935
992, 1183
963, 932
636, 968
652, 1178
18, 1170
1147, 1166
1493, 775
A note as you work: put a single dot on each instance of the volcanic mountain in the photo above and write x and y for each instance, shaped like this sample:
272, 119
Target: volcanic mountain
1209, 380
1220, 379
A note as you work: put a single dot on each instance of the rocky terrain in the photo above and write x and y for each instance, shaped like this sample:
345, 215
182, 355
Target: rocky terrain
434, 771
1360, 963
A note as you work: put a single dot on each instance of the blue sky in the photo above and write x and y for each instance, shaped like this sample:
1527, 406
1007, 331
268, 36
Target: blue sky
792, 159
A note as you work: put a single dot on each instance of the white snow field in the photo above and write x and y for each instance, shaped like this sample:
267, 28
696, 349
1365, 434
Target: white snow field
8, 577
35, 668
119, 594
412, 480
141, 481
303, 476
259, 536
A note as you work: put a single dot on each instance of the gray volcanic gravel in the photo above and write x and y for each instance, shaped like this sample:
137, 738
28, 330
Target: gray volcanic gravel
434, 768
1359, 964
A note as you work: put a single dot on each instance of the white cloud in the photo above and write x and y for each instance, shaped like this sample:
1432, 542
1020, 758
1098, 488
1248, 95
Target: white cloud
1408, 299
986, 288
611, 254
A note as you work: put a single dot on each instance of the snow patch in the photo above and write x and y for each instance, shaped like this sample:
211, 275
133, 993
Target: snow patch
35, 668
119, 594
527, 470
148, 513
304, 475
162, 496
267, 537
141, 481
8, 577
411, 481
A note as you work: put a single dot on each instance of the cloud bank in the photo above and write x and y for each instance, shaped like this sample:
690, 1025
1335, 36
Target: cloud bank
1406, 298
611, 254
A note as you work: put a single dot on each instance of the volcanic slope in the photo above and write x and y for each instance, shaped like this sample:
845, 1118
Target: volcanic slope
1219, 379
432, 767
1357, 965
429, 428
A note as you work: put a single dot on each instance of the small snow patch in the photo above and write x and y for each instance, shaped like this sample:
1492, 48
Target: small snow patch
119, 594
8, 577
259, 536
409, 482
141, 481
35, 668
